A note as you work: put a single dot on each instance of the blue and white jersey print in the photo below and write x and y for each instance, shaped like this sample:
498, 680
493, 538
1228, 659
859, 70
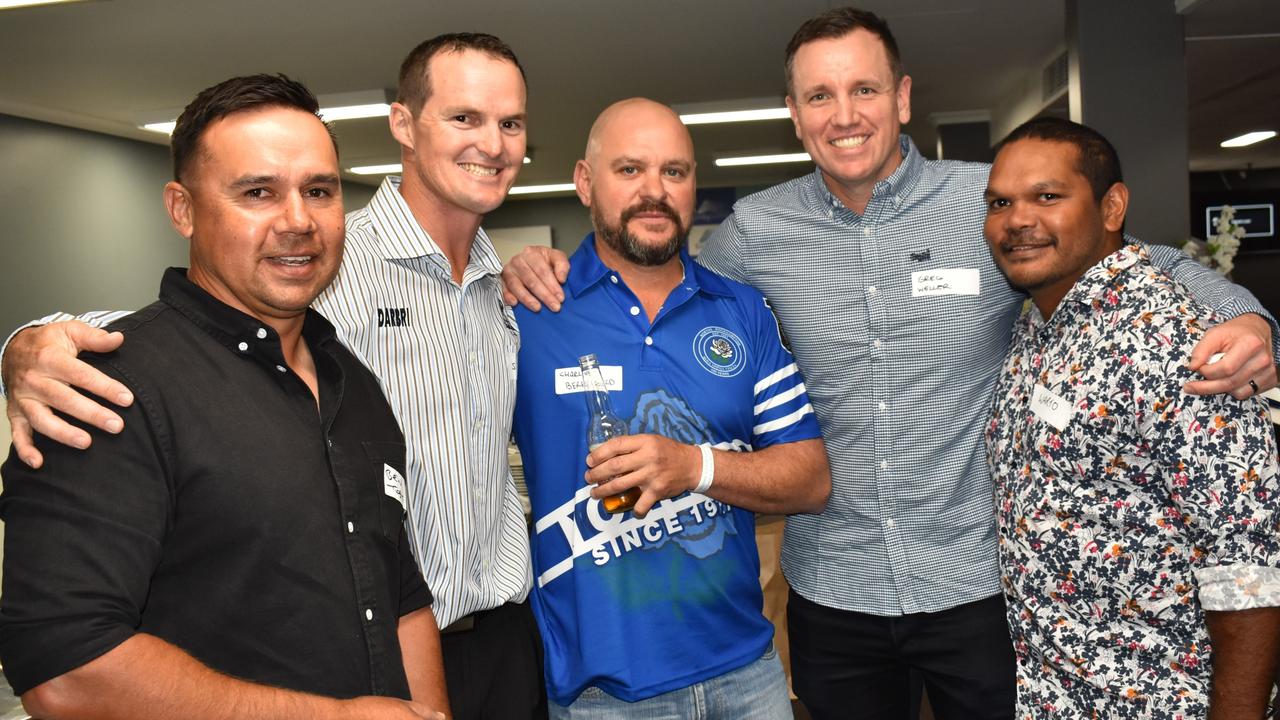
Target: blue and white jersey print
638, 607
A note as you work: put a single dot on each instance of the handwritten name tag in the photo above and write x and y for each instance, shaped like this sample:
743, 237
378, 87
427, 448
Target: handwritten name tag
1051, 408
569, 380
944, 281
393, 485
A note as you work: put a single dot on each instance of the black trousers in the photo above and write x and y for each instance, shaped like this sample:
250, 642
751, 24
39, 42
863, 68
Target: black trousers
493, 671
852, 665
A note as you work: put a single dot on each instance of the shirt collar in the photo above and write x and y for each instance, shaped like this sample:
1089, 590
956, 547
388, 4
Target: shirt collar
241, 333
1093, 286
586, 270
400, 237
897, 186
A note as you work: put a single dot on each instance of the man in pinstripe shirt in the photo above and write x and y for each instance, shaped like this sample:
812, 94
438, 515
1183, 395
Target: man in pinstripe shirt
899, 319
418, 300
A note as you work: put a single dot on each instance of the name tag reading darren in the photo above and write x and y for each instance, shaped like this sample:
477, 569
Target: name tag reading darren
944, 281
569, 380
1051, 408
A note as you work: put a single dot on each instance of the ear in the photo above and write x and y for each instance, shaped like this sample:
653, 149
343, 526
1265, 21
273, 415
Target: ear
177, 202
795, 115
1115, 203
582, 182
401, 122
904, 100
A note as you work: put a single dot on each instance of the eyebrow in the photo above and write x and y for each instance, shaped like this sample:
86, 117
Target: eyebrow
255, 180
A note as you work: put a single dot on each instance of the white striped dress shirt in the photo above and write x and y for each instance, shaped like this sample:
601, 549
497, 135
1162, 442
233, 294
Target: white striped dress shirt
446, 356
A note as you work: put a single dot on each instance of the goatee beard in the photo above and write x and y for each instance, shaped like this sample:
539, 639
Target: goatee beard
631, 248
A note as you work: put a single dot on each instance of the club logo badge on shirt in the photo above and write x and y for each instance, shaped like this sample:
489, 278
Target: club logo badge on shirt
719, 351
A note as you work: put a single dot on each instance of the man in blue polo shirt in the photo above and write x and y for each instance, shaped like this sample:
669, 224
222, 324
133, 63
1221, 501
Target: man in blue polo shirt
656, 612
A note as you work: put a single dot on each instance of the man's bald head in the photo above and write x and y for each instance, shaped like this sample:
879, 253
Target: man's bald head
637, 178
626, 116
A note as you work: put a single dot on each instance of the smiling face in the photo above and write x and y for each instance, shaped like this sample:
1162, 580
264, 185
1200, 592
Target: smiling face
462, 150
638, 180
262, 207
848, 110
1044, 225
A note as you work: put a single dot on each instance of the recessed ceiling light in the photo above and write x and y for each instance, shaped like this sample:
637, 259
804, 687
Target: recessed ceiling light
1249, 139
388, 169
535, 189
762, 159
354, 112
161, 127
11, 4
729, 116
333, 107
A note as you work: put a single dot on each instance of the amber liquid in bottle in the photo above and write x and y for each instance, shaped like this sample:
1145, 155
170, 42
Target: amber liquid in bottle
604, 425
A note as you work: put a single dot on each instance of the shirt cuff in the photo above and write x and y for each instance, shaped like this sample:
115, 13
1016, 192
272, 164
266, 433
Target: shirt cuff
1226, 588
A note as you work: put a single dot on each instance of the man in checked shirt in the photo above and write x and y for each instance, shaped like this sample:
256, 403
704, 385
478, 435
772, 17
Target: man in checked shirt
1138, 523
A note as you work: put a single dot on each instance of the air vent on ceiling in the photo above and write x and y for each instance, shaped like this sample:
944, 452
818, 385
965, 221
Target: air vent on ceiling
1054, 79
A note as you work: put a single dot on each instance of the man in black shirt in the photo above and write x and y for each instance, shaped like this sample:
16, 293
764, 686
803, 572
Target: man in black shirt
238, 551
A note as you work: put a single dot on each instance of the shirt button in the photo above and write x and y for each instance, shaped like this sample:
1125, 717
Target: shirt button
890, 523
876, 343
614, 278
351, 527
882, 405
866, 231
244, 347
368, 614
884, 464
281, 368
871, 290
648, 341
635, 310
262, 333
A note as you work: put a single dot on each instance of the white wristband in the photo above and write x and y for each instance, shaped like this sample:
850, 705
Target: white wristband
708, 469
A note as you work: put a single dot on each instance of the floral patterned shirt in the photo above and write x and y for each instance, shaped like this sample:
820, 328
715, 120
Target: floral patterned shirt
1126, 507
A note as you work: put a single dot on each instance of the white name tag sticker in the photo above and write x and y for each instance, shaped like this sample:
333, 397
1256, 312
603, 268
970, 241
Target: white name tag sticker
393, 486
945, 281
1051, 408
569, 380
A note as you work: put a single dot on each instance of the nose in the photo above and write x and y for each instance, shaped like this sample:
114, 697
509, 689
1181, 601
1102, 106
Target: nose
652, 187
295, 216
489, 140
846, 112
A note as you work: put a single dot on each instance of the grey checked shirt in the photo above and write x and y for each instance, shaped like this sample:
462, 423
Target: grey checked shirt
900, 321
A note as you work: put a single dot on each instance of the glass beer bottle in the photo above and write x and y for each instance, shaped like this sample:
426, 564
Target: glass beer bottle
603, 425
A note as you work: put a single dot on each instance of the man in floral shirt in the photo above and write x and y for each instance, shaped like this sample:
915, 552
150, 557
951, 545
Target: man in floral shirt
1138, 524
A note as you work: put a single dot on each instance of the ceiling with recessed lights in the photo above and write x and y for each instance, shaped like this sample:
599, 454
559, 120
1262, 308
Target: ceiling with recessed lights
105, 65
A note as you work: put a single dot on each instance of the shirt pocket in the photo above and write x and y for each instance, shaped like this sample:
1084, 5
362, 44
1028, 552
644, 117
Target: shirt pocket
385, 465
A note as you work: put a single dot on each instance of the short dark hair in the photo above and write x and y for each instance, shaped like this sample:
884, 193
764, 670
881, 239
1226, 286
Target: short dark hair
250, 92
836, 23
1096, 159
415, 86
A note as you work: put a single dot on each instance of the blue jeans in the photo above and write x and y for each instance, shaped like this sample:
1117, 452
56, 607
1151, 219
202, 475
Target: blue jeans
756, 691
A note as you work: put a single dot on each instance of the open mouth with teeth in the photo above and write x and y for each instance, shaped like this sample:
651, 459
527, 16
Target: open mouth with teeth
293, 260
479, 170
850, 142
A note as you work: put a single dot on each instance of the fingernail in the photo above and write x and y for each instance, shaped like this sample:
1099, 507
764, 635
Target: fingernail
115, 425
124, 398
82, 443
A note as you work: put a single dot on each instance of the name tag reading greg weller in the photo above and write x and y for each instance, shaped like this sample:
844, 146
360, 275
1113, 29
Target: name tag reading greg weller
944, 281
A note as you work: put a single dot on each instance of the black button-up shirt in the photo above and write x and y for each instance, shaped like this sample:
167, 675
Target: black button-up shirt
230, 517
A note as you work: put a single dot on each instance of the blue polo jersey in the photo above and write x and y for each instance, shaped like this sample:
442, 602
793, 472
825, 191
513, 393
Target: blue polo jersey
639, 607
